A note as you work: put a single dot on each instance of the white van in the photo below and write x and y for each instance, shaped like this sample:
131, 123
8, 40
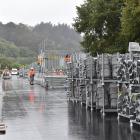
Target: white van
14, 71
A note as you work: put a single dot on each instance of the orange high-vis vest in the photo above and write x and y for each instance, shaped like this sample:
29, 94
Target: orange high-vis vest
31, 73
67, 58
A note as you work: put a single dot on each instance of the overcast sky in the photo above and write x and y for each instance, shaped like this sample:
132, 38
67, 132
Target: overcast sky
32, 12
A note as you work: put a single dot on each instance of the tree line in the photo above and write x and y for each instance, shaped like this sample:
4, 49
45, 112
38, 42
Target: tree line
59, 36
108, 25
20, 43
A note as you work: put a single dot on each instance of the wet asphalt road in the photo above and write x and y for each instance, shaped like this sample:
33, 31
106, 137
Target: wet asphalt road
32, 113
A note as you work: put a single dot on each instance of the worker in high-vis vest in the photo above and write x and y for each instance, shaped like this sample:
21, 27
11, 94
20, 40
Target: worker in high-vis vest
67, 58
31, 75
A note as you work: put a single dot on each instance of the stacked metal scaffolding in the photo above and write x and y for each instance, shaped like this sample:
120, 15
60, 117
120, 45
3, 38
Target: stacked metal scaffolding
129, 87
110, 83
92, 81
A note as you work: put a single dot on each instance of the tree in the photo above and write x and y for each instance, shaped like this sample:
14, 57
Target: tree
130, 21
59, 36
99, 21
4, 62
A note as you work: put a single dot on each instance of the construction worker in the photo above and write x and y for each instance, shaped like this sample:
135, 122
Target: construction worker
67, 58
31, 75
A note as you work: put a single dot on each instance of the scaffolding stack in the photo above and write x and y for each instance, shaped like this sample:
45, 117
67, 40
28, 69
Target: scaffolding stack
129, 88
92, 81
109, 83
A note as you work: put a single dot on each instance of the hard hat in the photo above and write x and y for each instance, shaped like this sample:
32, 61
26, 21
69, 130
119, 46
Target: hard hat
32, 68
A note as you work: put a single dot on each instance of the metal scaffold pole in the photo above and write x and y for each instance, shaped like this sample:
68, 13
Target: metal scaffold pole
72, 81
103, 84
118, 92
86, 94
91, 84
118, 85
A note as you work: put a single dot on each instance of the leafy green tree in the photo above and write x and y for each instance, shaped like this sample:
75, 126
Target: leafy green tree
59, 36
130, 21
16, 65
8, 49
99, 21
4, 62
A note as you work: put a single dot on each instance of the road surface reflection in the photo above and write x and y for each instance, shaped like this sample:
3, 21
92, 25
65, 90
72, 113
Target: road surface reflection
32, 113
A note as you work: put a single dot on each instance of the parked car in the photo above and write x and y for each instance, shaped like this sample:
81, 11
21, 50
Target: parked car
14, 71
